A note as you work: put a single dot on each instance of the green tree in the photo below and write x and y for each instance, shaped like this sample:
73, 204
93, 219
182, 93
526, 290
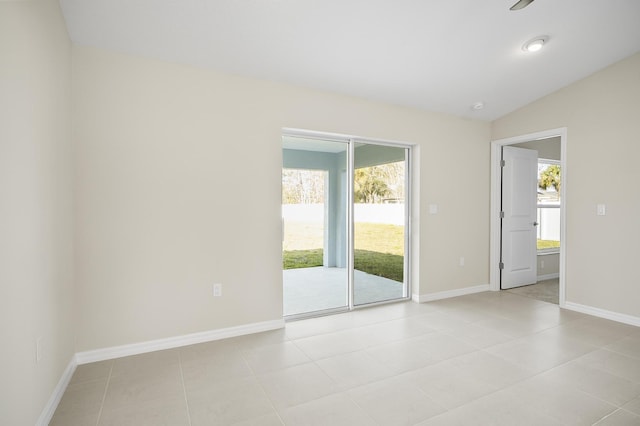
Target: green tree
369, 187
550, 177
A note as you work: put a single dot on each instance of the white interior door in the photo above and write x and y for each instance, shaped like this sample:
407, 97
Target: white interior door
519, 208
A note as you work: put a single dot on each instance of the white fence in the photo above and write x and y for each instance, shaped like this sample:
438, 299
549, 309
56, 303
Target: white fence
392, 214
549, 223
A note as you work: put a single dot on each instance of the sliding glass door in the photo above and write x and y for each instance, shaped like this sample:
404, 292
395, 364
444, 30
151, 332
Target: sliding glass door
379, 223
315, 274
345, 216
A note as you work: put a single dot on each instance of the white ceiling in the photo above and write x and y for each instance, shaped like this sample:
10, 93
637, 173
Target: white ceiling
439, 55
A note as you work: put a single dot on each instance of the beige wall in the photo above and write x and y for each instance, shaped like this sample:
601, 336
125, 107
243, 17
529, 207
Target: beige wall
178, 174
36, 207
601, 115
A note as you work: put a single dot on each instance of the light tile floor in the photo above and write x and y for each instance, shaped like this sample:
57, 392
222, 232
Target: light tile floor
547, 291
491, 358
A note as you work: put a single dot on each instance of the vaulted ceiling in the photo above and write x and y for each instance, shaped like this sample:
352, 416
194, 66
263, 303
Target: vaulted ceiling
439, 55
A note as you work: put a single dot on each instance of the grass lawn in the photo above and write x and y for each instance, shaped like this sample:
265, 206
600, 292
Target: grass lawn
546, 244
379, 248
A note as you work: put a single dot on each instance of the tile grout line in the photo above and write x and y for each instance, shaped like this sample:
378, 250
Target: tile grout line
354, 402
617, 407
184, 388
626, 410
104, 395
264, 391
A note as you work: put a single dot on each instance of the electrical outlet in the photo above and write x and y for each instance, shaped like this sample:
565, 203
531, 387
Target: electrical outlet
461, 261
39, 348
217, 290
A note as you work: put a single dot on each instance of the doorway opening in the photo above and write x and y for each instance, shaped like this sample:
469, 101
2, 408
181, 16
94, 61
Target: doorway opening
527, 254
345, 210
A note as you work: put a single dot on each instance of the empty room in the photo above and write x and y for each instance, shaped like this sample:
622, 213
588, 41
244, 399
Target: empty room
279, 212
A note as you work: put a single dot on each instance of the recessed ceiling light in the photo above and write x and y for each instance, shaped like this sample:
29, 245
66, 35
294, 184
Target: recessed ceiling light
535, 44
476, 106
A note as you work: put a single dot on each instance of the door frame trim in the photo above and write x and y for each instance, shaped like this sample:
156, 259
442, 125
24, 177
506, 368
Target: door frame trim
494, 214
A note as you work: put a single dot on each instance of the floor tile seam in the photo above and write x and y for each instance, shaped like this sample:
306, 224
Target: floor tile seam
626, 410
606, 348
610, 372
398, 340
347, 388
617, 406
504, 360
530, 373
599, 422
184, 388
305, 352
524, 404
609, 414
434, 364
446, 409
472, 400
255, 374
362, 349
618, 376
322, 333
573, 339
511, 337
104, 394
266, 395
366, 412
344, 392
601, 370
488, 395
571, 387
279, 411
535, 373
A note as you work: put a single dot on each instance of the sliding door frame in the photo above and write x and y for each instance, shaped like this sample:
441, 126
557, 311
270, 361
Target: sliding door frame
408, 208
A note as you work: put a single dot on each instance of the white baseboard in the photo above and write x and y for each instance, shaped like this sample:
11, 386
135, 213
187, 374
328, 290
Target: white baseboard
603, 313
175, 342
420, 298
56, 396
548, 277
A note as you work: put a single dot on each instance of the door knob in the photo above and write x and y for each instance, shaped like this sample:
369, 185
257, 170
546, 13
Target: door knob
535, 224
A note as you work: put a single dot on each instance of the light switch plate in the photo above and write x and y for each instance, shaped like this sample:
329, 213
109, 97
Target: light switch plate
601, 210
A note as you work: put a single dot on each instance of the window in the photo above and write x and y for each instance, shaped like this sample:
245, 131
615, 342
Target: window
549, 184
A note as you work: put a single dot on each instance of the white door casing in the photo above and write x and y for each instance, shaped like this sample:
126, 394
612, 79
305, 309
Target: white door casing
519, 207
